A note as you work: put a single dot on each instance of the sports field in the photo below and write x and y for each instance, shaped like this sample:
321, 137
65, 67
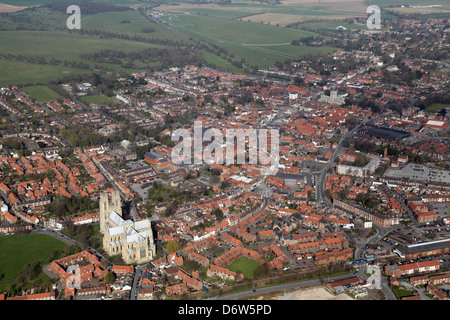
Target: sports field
42, 93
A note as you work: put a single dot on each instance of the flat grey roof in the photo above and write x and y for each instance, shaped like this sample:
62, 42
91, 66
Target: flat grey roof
420, 173
425, 246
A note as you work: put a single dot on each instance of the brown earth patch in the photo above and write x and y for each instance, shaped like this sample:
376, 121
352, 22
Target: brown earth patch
6, 8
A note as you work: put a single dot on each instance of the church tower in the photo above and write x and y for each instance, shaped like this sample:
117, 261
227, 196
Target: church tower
104, 210
106, 207
333, 94
116, 204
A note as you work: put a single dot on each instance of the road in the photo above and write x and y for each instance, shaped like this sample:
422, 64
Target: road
320, 180
359, 251
62, 237
385, 287
401, 199
128, 203
137, 277
281, 287
381, 232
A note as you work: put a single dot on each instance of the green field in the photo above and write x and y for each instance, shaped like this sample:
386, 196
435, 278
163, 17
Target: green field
390, 3
18, 251
97, 99
245, 266
16, 72
37, 46
61, 44
42, 93
258, 44
21, 3
46, 37
219, 63
325, 25
113, 21
45, 50
239, 32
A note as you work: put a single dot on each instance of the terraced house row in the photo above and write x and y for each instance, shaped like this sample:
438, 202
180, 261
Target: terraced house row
320, 245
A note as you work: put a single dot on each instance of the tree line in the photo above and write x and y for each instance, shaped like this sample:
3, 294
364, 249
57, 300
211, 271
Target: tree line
62, 206
132, 37
165, 57
41, 60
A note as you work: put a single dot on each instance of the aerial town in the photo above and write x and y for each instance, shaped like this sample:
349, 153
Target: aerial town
358, 204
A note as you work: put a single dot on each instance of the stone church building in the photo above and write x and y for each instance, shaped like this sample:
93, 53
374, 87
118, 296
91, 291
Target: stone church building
133, 240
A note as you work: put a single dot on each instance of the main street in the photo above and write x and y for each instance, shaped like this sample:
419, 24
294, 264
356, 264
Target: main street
137, 277
321, 179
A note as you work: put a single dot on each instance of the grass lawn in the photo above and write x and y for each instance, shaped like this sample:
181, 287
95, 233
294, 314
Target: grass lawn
18, 251
97, 99
42, 93
436, 107
245, 266
401, 292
